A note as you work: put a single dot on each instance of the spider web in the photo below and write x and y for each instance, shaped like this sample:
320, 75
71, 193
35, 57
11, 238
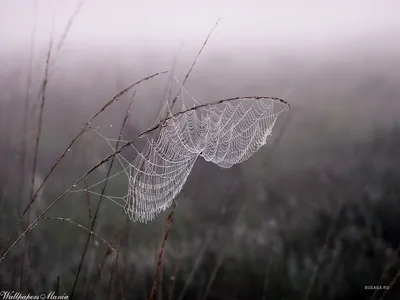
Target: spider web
225, 134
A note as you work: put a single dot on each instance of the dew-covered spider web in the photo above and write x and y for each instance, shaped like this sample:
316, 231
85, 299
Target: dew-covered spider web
224, 133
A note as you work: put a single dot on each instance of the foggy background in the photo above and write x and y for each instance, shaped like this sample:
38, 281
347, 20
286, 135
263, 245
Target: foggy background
331, 168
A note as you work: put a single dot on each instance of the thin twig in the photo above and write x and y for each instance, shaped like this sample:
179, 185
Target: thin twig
68, 220
67, 29
160, 283
109, 286
57, 285
126, 223
221, 255
125, 237
267, 277
391, 285
195, 60
101, 198
194, 269
36, 148
86, 184
385, 273
175, 276
40, 123
62, 41
322, 252
160, 255
26, 109
88, 200
100, 269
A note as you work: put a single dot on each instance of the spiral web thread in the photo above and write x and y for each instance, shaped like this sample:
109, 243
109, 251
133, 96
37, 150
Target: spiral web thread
226, 134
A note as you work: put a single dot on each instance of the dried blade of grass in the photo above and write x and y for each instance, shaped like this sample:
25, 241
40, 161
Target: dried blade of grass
62, 41
101, 198
390, 264
163, 106
100, 269
114, 265
172, 290
124, 237
88, 200
266, 280
25, 263
67, 29
221, 255
160, 283
109, 286
195, 267
68, 220
26, 109
25, 129
25, 260
322, 253
56, 290
160, 255
145, 289
194, 62
119, 150
103, 262
72, 143
42, 104
391, 285
121, 289
86, 183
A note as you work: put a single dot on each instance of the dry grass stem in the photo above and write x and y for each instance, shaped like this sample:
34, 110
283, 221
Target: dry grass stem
160, 255
68, 220
194, 62
101, 198
321, 257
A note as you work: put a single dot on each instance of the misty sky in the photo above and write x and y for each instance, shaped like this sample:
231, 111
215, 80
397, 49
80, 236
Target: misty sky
308, 23
259, 47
